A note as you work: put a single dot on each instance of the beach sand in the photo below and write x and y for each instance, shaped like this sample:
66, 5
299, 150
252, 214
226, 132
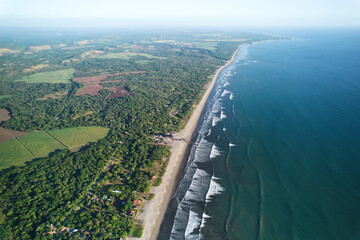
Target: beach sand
154, 210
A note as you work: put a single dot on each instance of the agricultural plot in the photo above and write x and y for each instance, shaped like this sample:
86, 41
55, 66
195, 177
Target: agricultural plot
60, 76
211, 46
129, 55
74, 137
40, 143
12, 153
17, 151
4, 96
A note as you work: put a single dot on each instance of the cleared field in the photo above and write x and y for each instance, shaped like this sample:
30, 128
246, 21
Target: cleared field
4, 96
12, 153
40, 143
211, 46
4, 114
92, 85
60, 76
74, 137
7, 134
19, 150
128, 55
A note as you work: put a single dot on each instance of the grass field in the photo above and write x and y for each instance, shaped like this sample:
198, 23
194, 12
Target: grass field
128, 55
40, 143
13, 153
60, 76
74, 137
4, 96
19, 150
211, 46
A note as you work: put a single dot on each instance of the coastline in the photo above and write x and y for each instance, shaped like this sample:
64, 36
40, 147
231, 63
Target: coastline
154, 210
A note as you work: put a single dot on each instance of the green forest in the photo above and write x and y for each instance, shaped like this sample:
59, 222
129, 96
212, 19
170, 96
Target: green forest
95, 191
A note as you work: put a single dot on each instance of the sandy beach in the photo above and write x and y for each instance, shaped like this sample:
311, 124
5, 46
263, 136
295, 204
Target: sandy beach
154, 210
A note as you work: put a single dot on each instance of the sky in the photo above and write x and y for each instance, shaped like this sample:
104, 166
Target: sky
180, 12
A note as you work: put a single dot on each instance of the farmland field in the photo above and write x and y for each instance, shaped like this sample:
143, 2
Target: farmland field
19, 150
4, 96
74, 137
128, 55
13, 153
40, 143
60, 76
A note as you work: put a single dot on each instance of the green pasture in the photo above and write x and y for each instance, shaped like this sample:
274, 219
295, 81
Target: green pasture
12, 153
4, 96
40, 143
74, 137
129, 55
60, 76
17, 151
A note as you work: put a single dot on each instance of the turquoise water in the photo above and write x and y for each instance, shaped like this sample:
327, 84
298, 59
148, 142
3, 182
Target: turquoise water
278, 153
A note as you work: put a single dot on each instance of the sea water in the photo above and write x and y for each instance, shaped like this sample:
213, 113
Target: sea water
277, 154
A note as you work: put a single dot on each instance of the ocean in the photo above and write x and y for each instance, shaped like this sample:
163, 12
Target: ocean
277, 154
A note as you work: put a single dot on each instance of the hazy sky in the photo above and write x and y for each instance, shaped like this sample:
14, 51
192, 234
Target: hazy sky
198, 12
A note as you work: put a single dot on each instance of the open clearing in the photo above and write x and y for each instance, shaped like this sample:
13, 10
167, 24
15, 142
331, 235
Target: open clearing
60, 76
53, 96
7, 134
19, 150
4, 115
40, 48
4, 96
33, 68
92, 85
13, 153
128, 55
40, 144
74, 137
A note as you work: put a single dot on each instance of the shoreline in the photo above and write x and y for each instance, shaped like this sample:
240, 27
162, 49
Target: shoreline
154, 210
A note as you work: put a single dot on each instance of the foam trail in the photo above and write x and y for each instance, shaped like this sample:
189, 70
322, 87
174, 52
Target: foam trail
215, 152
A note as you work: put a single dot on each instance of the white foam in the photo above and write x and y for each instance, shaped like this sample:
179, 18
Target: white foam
225, 92
215, 151
214, 189
222, 115
193, 223
215, 121
205, 217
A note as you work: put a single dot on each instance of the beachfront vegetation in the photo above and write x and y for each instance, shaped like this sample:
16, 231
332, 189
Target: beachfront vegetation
97, 191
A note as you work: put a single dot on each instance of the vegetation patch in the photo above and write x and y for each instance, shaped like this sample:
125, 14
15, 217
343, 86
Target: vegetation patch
40, 143
92, 85
211, 46
138, 230
13, 153
53, 96
74, 137
60, 76
33, 68
40, 48
4, 115
19, 150
128, 55
4, 96
7, 134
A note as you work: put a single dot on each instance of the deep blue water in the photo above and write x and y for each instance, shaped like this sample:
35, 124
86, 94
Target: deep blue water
278, 154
